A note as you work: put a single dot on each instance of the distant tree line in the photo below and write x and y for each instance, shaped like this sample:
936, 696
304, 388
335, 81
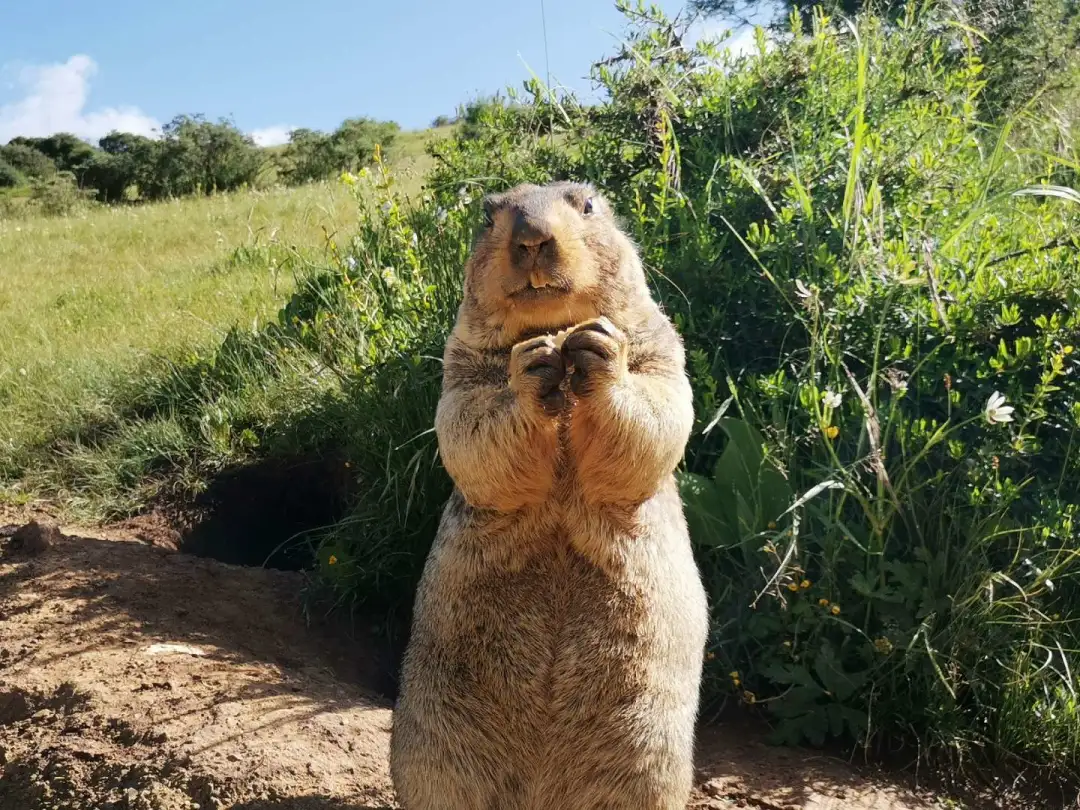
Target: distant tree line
191, 156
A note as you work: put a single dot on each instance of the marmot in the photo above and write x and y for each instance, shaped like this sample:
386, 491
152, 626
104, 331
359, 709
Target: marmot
560, 624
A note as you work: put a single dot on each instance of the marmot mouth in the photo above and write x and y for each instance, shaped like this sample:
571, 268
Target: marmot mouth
530, 293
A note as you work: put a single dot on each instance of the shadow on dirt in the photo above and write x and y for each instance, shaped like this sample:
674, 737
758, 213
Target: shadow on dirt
736, 767
129, 593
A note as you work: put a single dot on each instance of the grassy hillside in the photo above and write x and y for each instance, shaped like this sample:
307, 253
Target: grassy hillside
86, 299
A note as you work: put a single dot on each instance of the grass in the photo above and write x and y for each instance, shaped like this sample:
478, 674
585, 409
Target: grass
408, 154
86, 299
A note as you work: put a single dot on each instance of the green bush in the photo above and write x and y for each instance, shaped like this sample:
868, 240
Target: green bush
58, 195
312, 155
878, 293
10, 177
199, 156
63, 152
27, 161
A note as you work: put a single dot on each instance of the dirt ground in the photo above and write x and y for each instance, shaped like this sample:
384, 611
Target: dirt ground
135, 677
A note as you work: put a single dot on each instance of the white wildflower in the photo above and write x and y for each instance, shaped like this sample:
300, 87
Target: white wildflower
350, 262
440, 215
415, 239
996, 409
388, 277
386, 207
802, 290
831, 399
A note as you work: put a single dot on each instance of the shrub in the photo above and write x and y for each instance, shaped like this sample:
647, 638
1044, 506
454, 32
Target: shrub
58, 195
198, 156
27, 161
312, 155
10, 177
66, 152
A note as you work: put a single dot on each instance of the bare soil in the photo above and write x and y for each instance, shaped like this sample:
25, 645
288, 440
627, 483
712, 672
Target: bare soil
137, 677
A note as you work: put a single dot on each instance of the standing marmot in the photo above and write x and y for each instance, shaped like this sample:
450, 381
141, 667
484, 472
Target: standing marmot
560, 624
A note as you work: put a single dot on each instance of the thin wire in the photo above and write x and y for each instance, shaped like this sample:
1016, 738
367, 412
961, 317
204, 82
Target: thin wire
547, 61
547, 74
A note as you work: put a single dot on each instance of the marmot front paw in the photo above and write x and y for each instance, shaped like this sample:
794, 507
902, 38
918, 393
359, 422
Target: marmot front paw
596, 350
537, 369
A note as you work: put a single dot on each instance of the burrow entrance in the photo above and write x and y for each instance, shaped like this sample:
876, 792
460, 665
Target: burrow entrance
265, 514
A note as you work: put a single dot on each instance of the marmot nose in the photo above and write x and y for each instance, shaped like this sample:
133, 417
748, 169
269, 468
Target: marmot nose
530, 235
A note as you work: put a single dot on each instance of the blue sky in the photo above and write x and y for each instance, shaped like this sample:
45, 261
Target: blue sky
271, 65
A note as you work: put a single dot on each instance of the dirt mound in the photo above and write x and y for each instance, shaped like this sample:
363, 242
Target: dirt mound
137, 678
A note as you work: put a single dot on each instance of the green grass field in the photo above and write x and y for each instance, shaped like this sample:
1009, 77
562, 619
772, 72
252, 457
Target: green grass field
85, 299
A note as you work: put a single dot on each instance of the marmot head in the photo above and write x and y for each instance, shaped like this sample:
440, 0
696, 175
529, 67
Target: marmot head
548, 257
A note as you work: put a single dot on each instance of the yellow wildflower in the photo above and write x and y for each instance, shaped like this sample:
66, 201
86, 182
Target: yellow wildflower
709, 656
883, 645
332, 560
1068, 350
749, 697
823, 602
772, 524
787, 644
832, 431
805, 584
835, 610
792, 587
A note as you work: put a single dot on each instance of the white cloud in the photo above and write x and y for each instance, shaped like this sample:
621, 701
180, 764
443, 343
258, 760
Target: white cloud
54, 100
740, 41
272, 136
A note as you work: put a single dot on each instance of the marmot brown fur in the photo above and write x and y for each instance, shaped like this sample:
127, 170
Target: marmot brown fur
559, 627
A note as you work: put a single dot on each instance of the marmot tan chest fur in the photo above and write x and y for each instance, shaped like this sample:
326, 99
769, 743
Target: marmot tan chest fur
560, 624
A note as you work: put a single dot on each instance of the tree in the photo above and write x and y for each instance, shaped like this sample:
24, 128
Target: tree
308, 156
10, 177
355, 140
196, 155
124, 160
28, 161
313, 155
68, 152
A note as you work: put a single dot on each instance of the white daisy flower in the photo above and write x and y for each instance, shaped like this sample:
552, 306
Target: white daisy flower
996, 409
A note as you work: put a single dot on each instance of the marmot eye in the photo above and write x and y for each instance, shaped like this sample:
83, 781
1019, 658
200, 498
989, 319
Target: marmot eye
587, 208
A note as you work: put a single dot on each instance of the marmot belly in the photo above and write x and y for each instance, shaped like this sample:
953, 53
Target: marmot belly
565, 684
